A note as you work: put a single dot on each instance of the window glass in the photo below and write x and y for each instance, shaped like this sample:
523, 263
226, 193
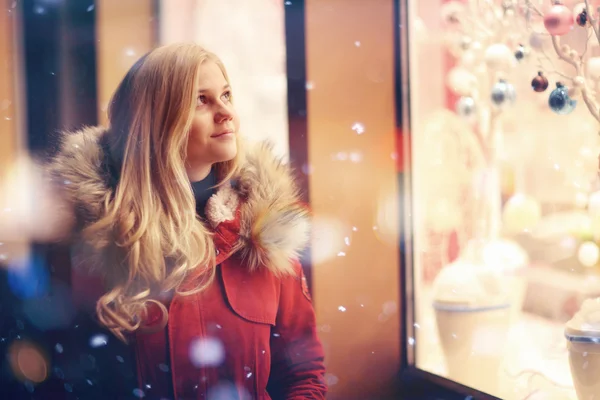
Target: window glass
504, 135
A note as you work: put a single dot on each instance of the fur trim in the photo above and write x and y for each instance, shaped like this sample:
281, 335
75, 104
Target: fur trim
274, 226
78, 170
221, 207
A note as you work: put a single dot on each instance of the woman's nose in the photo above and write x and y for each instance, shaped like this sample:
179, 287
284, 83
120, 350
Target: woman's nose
223, 115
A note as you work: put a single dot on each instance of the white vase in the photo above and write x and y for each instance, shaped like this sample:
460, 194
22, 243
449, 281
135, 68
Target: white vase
473, 311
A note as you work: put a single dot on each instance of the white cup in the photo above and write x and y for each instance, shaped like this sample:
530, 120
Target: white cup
584, 360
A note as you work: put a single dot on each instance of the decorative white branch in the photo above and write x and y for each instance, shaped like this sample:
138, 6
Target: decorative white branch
549, 71
532, 7
593, 22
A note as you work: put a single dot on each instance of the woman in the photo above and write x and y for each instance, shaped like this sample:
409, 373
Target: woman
195, 242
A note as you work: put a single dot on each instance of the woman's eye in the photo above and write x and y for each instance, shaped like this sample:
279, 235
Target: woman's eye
201, 100
227, 96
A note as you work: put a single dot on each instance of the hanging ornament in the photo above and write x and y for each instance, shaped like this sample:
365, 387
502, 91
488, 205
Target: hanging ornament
582, 18
521, 52
503, 93
465, 107
559, 100
499, 57
558, 20
539, 83
537, 40
461, 81
465, 43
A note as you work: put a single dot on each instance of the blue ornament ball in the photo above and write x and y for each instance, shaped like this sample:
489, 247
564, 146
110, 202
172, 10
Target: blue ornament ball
560, 102
503, 93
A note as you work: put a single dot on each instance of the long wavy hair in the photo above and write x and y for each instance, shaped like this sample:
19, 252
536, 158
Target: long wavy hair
158, 239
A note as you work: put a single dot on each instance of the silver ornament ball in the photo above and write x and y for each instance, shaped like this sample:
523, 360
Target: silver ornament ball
503, 93
466, 107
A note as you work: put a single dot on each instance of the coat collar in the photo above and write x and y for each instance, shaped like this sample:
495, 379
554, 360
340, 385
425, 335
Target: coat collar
259, 215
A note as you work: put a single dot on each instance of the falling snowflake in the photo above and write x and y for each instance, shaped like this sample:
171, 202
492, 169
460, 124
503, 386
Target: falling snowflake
98, 340
164, 367
358, 128
356, 157
331, 379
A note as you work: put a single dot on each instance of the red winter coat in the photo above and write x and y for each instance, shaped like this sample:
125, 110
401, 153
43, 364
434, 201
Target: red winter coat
251, 334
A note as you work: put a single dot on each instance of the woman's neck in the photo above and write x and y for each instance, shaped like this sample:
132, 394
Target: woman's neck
197, 174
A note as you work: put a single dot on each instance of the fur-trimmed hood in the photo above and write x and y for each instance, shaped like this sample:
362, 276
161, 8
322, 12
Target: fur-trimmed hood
264, 201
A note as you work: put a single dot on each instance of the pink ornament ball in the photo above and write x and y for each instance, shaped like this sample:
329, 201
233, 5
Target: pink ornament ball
559, 20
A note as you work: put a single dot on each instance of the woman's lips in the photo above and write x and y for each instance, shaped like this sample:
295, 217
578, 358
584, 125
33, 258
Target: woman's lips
222, 134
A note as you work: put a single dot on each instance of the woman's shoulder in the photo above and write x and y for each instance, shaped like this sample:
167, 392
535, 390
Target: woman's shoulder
78, 169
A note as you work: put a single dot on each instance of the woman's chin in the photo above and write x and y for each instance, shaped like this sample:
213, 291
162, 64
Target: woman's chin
226, 151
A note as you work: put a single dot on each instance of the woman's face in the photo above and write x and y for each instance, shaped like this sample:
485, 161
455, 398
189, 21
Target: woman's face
215, 125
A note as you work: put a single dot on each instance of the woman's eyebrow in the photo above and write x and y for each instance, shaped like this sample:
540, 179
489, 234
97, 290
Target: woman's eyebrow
207, 90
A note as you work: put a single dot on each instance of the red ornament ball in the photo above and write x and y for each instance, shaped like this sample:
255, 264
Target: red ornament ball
582, 18
539, 83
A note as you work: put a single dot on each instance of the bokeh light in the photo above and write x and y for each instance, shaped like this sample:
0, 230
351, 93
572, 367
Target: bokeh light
329, 238
28, 362
207, 352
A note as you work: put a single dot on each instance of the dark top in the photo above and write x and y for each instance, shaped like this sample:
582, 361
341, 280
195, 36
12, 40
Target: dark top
203, 190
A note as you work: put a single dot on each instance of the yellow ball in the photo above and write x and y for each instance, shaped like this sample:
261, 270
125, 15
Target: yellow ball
588, 254
521, 213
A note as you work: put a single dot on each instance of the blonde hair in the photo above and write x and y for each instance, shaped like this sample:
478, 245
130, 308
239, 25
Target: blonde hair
158, 240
